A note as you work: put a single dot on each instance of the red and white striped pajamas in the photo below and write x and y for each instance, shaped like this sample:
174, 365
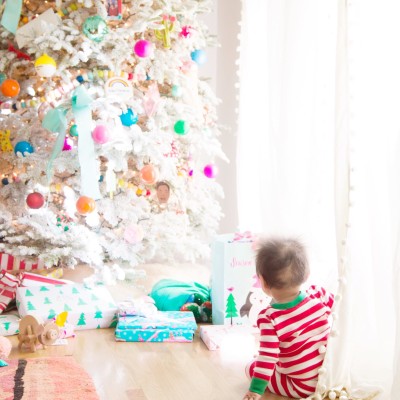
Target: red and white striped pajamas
293, 339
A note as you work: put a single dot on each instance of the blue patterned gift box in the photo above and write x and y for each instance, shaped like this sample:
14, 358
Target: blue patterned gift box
163, 326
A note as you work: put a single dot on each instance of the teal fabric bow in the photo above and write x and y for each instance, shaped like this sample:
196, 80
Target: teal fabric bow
56, 121
81, 99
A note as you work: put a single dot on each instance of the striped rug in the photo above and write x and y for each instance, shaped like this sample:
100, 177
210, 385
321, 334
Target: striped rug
52, 378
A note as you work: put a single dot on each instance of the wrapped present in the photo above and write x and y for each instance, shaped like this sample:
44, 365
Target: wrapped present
8, 287
55, 272
88, 307
143, 307
12, 263
9, 324
218, 336
34, 279
236, 294
165, 326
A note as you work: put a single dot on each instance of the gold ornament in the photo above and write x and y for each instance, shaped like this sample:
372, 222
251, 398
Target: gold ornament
164, 33
5, 142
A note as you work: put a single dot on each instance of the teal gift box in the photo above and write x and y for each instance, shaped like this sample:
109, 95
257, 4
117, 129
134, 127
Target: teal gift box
88, 307
162, 326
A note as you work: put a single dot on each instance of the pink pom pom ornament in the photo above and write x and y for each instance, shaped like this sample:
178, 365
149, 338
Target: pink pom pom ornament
143, 48
100, 134
210, 171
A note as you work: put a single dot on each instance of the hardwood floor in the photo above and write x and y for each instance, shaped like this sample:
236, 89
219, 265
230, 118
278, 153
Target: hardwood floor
155, 371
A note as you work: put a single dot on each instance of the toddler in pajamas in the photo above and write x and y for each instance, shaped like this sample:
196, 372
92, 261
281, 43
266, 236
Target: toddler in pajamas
295, 326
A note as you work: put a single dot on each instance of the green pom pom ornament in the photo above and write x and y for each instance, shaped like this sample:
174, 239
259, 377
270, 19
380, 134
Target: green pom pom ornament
181, 127
73, 131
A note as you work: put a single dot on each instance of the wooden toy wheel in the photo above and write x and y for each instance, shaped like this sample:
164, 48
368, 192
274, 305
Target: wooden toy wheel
50, 334
29, 329
30, 325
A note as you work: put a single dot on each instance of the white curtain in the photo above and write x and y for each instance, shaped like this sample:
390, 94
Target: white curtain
319, 157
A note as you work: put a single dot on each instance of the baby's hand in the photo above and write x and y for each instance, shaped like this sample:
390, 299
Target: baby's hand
252, 396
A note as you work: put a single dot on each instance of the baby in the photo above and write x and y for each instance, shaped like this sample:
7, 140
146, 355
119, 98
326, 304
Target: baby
295, 326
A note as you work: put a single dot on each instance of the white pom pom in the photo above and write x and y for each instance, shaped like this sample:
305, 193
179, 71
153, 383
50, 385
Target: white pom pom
332, 395
322, 371
338, 297
322, 349
322, 388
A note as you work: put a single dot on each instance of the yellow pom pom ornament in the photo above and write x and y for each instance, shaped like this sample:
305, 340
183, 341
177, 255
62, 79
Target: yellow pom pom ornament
45, 66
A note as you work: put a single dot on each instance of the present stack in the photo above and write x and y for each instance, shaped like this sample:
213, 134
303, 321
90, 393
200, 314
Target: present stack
162, 326
38, 290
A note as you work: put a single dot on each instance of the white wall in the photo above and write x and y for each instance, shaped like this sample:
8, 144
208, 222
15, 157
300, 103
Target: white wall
221, 68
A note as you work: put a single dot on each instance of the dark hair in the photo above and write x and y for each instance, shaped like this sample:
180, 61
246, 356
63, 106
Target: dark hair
282, 262
162, 183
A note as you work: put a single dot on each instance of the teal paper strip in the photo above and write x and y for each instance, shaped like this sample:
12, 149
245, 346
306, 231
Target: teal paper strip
55, 121
11, 15
81, 102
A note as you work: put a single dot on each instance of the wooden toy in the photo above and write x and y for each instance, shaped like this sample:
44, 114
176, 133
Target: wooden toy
33, 332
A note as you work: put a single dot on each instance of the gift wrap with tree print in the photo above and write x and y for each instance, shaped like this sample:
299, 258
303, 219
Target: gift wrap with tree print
163, 326
9, 323
236, 294
89, 307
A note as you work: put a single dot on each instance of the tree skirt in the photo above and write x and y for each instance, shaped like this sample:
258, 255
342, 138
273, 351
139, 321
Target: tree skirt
53, 378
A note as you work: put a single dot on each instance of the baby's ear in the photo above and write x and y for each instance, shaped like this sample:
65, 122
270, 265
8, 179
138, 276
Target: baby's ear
264, 284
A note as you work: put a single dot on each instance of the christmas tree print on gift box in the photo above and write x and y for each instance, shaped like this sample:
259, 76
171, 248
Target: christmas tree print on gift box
231, 310
87, 307
98, 315
82, 320
9, 324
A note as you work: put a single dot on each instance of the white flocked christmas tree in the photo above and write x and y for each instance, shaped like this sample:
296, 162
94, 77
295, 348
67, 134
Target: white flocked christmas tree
108, 132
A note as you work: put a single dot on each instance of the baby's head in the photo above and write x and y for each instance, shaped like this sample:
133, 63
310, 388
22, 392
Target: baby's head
282, 263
